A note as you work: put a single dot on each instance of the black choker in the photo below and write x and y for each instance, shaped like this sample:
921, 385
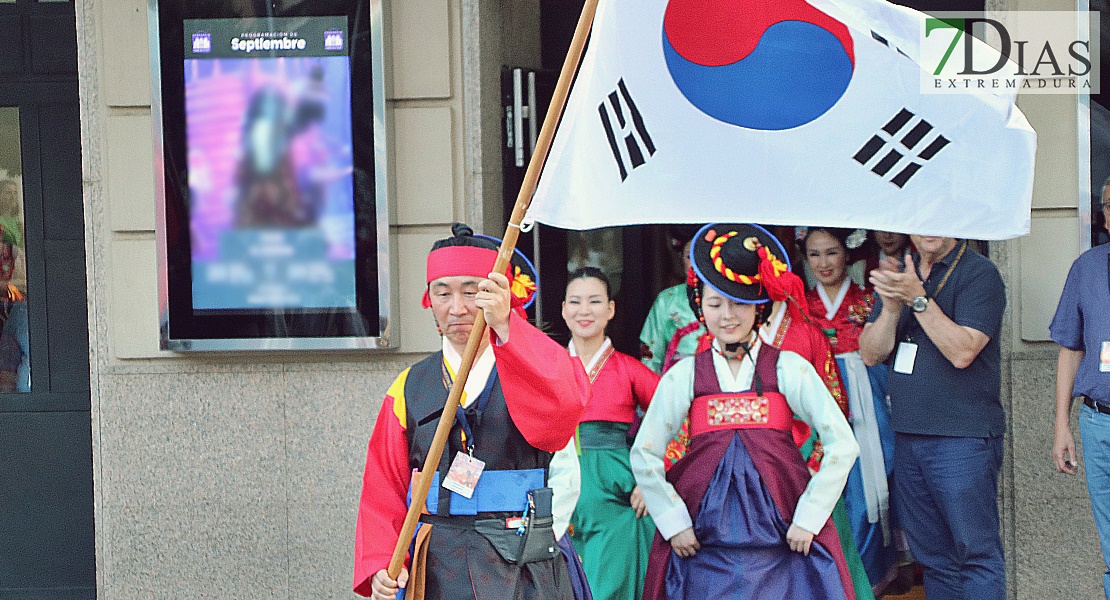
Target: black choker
735, 348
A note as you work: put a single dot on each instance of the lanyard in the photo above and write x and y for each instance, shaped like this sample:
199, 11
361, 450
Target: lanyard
947, 273
479, 405
936, 292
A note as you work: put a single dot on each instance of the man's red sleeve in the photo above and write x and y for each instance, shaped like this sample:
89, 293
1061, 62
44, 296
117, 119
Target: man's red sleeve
545, 389
385, 485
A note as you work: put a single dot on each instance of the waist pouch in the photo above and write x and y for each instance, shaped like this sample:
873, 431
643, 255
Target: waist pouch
533, 541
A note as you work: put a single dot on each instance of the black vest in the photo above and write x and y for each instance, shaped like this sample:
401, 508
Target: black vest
497, 441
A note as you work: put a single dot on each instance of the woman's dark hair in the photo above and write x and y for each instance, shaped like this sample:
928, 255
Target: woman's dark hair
591, 273
681, 234
695, 293
839, 234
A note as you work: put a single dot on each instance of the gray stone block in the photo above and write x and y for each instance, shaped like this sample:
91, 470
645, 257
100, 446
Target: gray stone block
329, 418
215, 551
189, 438
1058, 555
321, 550
1031, 418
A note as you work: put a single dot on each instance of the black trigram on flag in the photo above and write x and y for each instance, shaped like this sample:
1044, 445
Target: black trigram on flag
624, 131
902, 141
882, 40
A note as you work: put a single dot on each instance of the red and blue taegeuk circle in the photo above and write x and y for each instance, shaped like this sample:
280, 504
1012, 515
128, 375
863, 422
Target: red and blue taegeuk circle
765, 64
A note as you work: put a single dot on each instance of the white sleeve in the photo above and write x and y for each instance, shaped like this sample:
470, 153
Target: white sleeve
668, 410
811, 402
565, 479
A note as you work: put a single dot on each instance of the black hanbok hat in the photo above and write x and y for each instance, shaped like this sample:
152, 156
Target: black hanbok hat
734, 258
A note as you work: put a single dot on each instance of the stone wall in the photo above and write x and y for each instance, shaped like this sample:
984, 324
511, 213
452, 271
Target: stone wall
237, 475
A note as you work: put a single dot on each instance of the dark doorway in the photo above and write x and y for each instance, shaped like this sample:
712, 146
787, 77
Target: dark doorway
46, 495
637, 259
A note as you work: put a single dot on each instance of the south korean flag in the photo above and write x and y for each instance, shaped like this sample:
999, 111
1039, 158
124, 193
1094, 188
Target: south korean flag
790, 113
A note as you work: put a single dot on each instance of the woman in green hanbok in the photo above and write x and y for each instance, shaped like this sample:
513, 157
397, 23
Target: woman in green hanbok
610, 526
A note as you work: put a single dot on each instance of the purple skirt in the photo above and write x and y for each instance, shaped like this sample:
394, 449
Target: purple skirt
578, 581
743, 552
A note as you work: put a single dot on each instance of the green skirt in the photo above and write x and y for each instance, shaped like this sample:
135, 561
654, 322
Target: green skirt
612, 542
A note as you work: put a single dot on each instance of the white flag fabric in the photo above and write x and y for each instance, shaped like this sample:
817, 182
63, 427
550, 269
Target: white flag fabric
784, 113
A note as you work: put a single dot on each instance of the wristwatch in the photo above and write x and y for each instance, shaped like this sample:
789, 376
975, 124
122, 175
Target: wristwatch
919, 304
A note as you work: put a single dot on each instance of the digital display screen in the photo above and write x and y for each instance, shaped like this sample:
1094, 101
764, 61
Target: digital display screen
271, 175
268, 131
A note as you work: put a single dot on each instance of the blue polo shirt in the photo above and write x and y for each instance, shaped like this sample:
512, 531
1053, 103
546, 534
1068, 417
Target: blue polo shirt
1082, 320
937, 398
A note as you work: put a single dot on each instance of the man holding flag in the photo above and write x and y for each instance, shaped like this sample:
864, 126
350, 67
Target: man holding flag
489, 513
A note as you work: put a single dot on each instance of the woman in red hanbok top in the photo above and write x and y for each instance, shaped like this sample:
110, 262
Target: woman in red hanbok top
610, 526
840, 307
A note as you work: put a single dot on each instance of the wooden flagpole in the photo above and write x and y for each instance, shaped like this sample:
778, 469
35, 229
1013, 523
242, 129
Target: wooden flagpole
508, 244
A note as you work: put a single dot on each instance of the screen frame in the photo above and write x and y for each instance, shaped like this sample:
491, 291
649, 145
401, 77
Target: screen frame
181, 327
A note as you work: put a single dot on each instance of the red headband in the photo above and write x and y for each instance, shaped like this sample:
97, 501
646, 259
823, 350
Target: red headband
454, 261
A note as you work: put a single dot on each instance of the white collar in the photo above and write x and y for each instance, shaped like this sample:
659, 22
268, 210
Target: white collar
743, 378
597, 355
831, 306
479, 371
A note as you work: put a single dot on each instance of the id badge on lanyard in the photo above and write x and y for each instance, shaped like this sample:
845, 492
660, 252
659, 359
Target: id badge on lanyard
465, 471
462, 477
907, 350
905, 358
1104, 355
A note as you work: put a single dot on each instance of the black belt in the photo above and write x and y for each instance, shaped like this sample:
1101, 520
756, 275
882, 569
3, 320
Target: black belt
466, 521
1093, 404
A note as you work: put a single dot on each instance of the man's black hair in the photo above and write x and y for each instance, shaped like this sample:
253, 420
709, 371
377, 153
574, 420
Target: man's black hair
463, 235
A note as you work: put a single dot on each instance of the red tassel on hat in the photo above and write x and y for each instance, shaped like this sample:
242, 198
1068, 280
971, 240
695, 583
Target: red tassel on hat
783, 285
